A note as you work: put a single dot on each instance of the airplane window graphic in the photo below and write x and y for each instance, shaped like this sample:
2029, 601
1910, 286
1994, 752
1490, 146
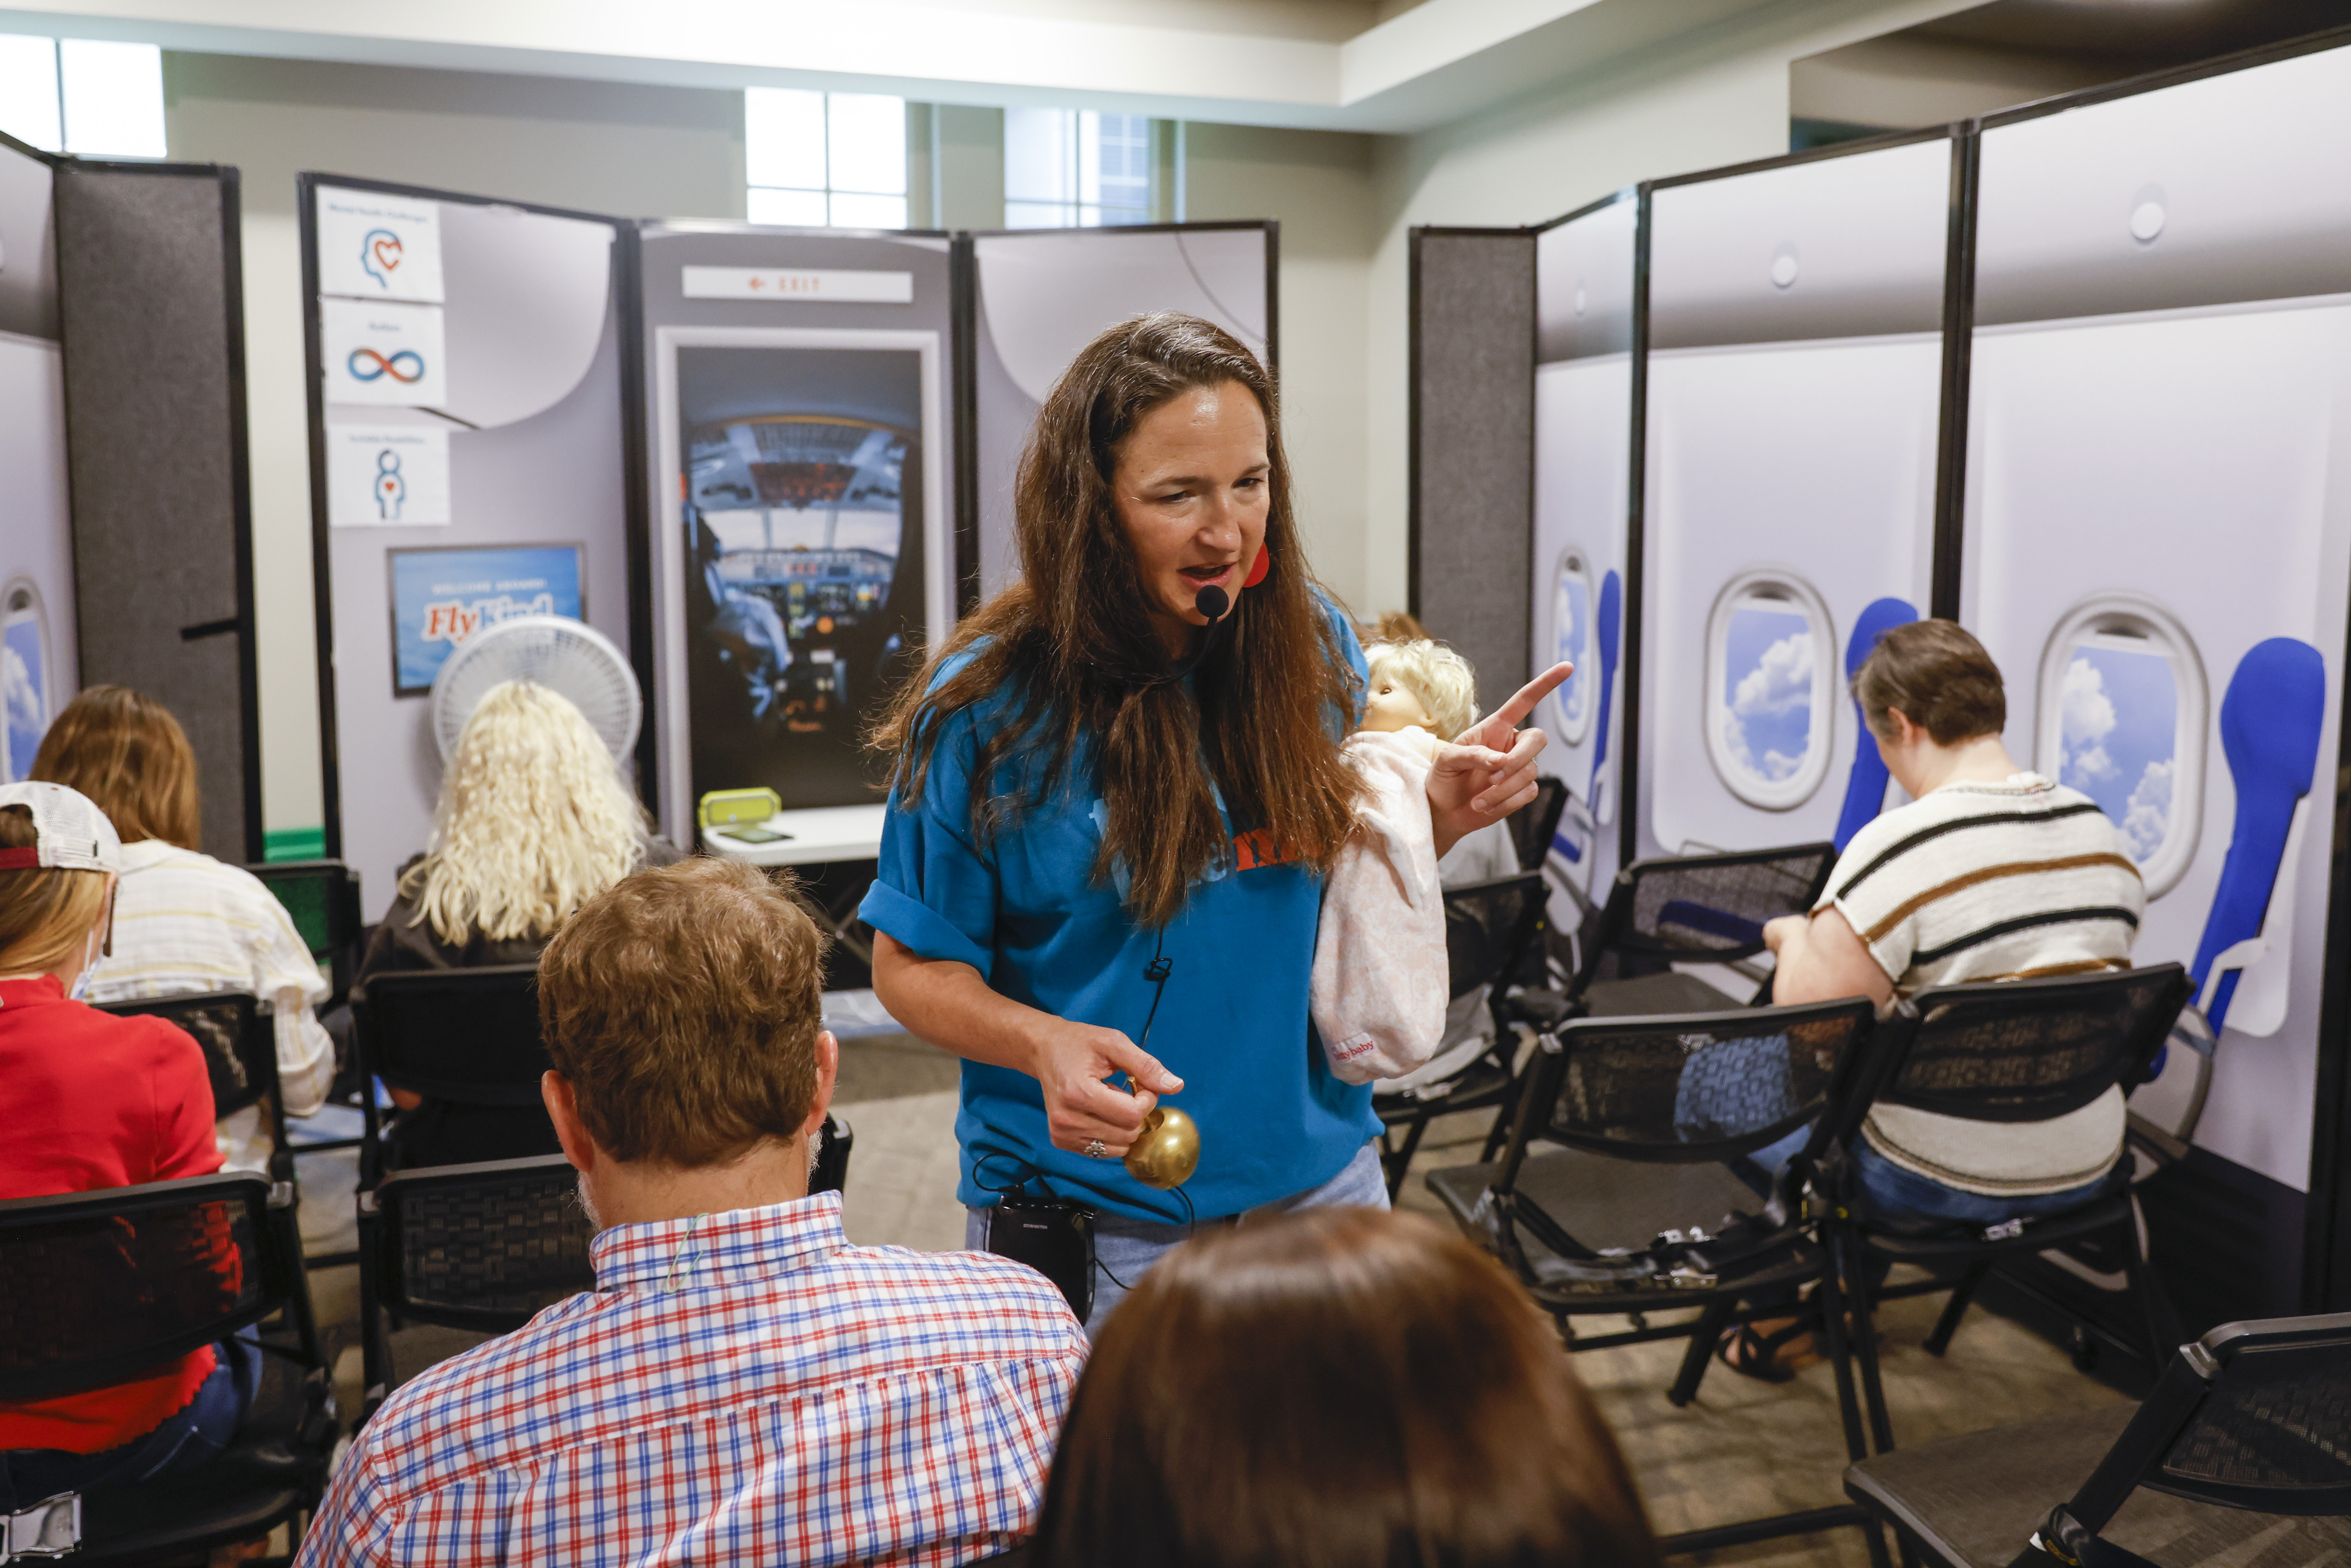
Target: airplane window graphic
1571, 633
2123, 715
2120, 736
1767, 724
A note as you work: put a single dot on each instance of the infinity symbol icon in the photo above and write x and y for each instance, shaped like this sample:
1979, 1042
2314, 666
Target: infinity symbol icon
413, 371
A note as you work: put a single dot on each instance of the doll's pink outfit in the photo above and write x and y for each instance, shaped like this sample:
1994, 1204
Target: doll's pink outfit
1380, 981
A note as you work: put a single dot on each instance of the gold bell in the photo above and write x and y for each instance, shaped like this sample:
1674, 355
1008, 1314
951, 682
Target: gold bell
1167, 1150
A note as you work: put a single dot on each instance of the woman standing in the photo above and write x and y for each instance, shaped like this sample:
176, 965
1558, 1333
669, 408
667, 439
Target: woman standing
1110, 820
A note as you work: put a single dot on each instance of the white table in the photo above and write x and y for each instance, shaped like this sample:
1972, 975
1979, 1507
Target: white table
811, 836
814, 835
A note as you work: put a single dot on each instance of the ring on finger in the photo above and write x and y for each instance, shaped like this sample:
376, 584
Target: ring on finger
1096, 1150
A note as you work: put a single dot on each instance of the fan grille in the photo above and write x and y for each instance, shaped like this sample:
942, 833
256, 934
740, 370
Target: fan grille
566, 656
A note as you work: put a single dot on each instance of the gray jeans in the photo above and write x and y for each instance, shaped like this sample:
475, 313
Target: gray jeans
1124, 1250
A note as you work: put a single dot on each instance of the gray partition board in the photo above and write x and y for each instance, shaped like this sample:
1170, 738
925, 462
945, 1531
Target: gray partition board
802, 437
1582, 582
1791, 375
151, 290
534, 409
1041, 295
37, 607
1471, 389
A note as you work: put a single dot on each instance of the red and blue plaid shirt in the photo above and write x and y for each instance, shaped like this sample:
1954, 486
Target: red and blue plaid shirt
743, 1387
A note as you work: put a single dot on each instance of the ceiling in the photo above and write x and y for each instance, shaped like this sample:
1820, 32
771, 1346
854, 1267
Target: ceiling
1359, 65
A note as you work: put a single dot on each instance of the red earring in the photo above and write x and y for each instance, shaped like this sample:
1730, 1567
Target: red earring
1257, 572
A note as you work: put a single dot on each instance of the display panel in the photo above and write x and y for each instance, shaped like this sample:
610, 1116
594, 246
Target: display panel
1791, 416
2154, 530
518, 377
802, 436
1583, 454
1044, 294
36, 582
806, 537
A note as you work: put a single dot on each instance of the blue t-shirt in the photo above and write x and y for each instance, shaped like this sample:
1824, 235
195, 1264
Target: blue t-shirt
1027, 914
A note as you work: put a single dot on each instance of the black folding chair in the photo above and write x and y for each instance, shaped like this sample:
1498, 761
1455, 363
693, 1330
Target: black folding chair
323, 899
481, 1247
1708, 909
469, 1038
1638, 1212
240, 1047
98, 1289
1701, 909
1533, 824
2004, 1052
2241, 1456
1490, 928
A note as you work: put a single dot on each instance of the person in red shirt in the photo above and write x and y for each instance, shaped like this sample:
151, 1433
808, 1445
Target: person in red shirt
92, 1102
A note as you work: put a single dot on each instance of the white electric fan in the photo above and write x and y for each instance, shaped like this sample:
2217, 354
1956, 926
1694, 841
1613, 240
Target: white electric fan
566, 656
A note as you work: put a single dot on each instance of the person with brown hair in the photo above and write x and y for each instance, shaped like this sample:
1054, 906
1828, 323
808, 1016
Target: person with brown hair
1338, 1388
1990, 873
93, 1102
1120, 786
183, 922
743, 1385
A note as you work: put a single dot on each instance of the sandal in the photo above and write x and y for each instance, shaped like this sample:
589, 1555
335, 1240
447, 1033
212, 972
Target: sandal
1757, 1356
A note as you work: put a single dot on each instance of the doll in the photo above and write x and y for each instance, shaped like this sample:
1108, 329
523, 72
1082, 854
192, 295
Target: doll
1380, 981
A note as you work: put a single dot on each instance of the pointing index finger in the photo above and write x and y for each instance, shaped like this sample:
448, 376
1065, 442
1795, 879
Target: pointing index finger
1524, 703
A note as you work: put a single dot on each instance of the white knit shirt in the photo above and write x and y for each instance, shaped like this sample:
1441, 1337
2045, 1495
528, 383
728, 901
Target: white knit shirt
1993, 882
185, 923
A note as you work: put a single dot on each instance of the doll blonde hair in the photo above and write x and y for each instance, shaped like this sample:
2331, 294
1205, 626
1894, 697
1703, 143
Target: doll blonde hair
1438, 678
533, 821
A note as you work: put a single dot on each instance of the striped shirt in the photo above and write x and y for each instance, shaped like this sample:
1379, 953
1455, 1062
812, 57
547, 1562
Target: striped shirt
184, 923
1993, 882
743, 1387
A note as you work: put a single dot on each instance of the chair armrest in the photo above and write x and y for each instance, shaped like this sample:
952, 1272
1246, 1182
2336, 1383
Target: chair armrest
1543, 1009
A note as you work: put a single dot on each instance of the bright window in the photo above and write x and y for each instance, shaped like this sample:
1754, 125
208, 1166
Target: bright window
2122, 720
83, 96
817, 159
1067, 168
1571, 621
1771, 697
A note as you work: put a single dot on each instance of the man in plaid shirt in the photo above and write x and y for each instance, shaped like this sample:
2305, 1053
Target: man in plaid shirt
742, 1386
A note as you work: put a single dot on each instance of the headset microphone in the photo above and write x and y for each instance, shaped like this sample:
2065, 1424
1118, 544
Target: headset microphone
1212, 603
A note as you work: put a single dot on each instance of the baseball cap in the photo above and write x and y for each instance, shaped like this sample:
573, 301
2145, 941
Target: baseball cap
70, 832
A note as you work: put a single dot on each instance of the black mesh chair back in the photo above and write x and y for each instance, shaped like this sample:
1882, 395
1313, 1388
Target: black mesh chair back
101, 1288
239, 1041
468, 1035
2273, 1430
1489, 927
1707, 908
2253, 1415
2025, 1050
323, 898
1696, 1087
1533, 825
481, 1246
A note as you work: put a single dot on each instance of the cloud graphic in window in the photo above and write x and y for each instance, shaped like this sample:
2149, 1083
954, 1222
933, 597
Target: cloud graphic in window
2089, 719
1770, 708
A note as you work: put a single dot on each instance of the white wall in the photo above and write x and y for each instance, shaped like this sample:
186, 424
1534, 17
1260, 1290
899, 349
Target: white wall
1718, 96
593, 146
1317, 185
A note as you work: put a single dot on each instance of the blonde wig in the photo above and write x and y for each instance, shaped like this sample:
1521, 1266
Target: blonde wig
1438, 678
533, 821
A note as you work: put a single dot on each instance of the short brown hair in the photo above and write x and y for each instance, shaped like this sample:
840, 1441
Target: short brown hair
45, 912
1940, 679
1340, 1387
125, 751
683, 1004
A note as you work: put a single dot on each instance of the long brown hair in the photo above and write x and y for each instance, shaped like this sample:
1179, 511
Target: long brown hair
125, 751
1071, 647
1338, 1388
